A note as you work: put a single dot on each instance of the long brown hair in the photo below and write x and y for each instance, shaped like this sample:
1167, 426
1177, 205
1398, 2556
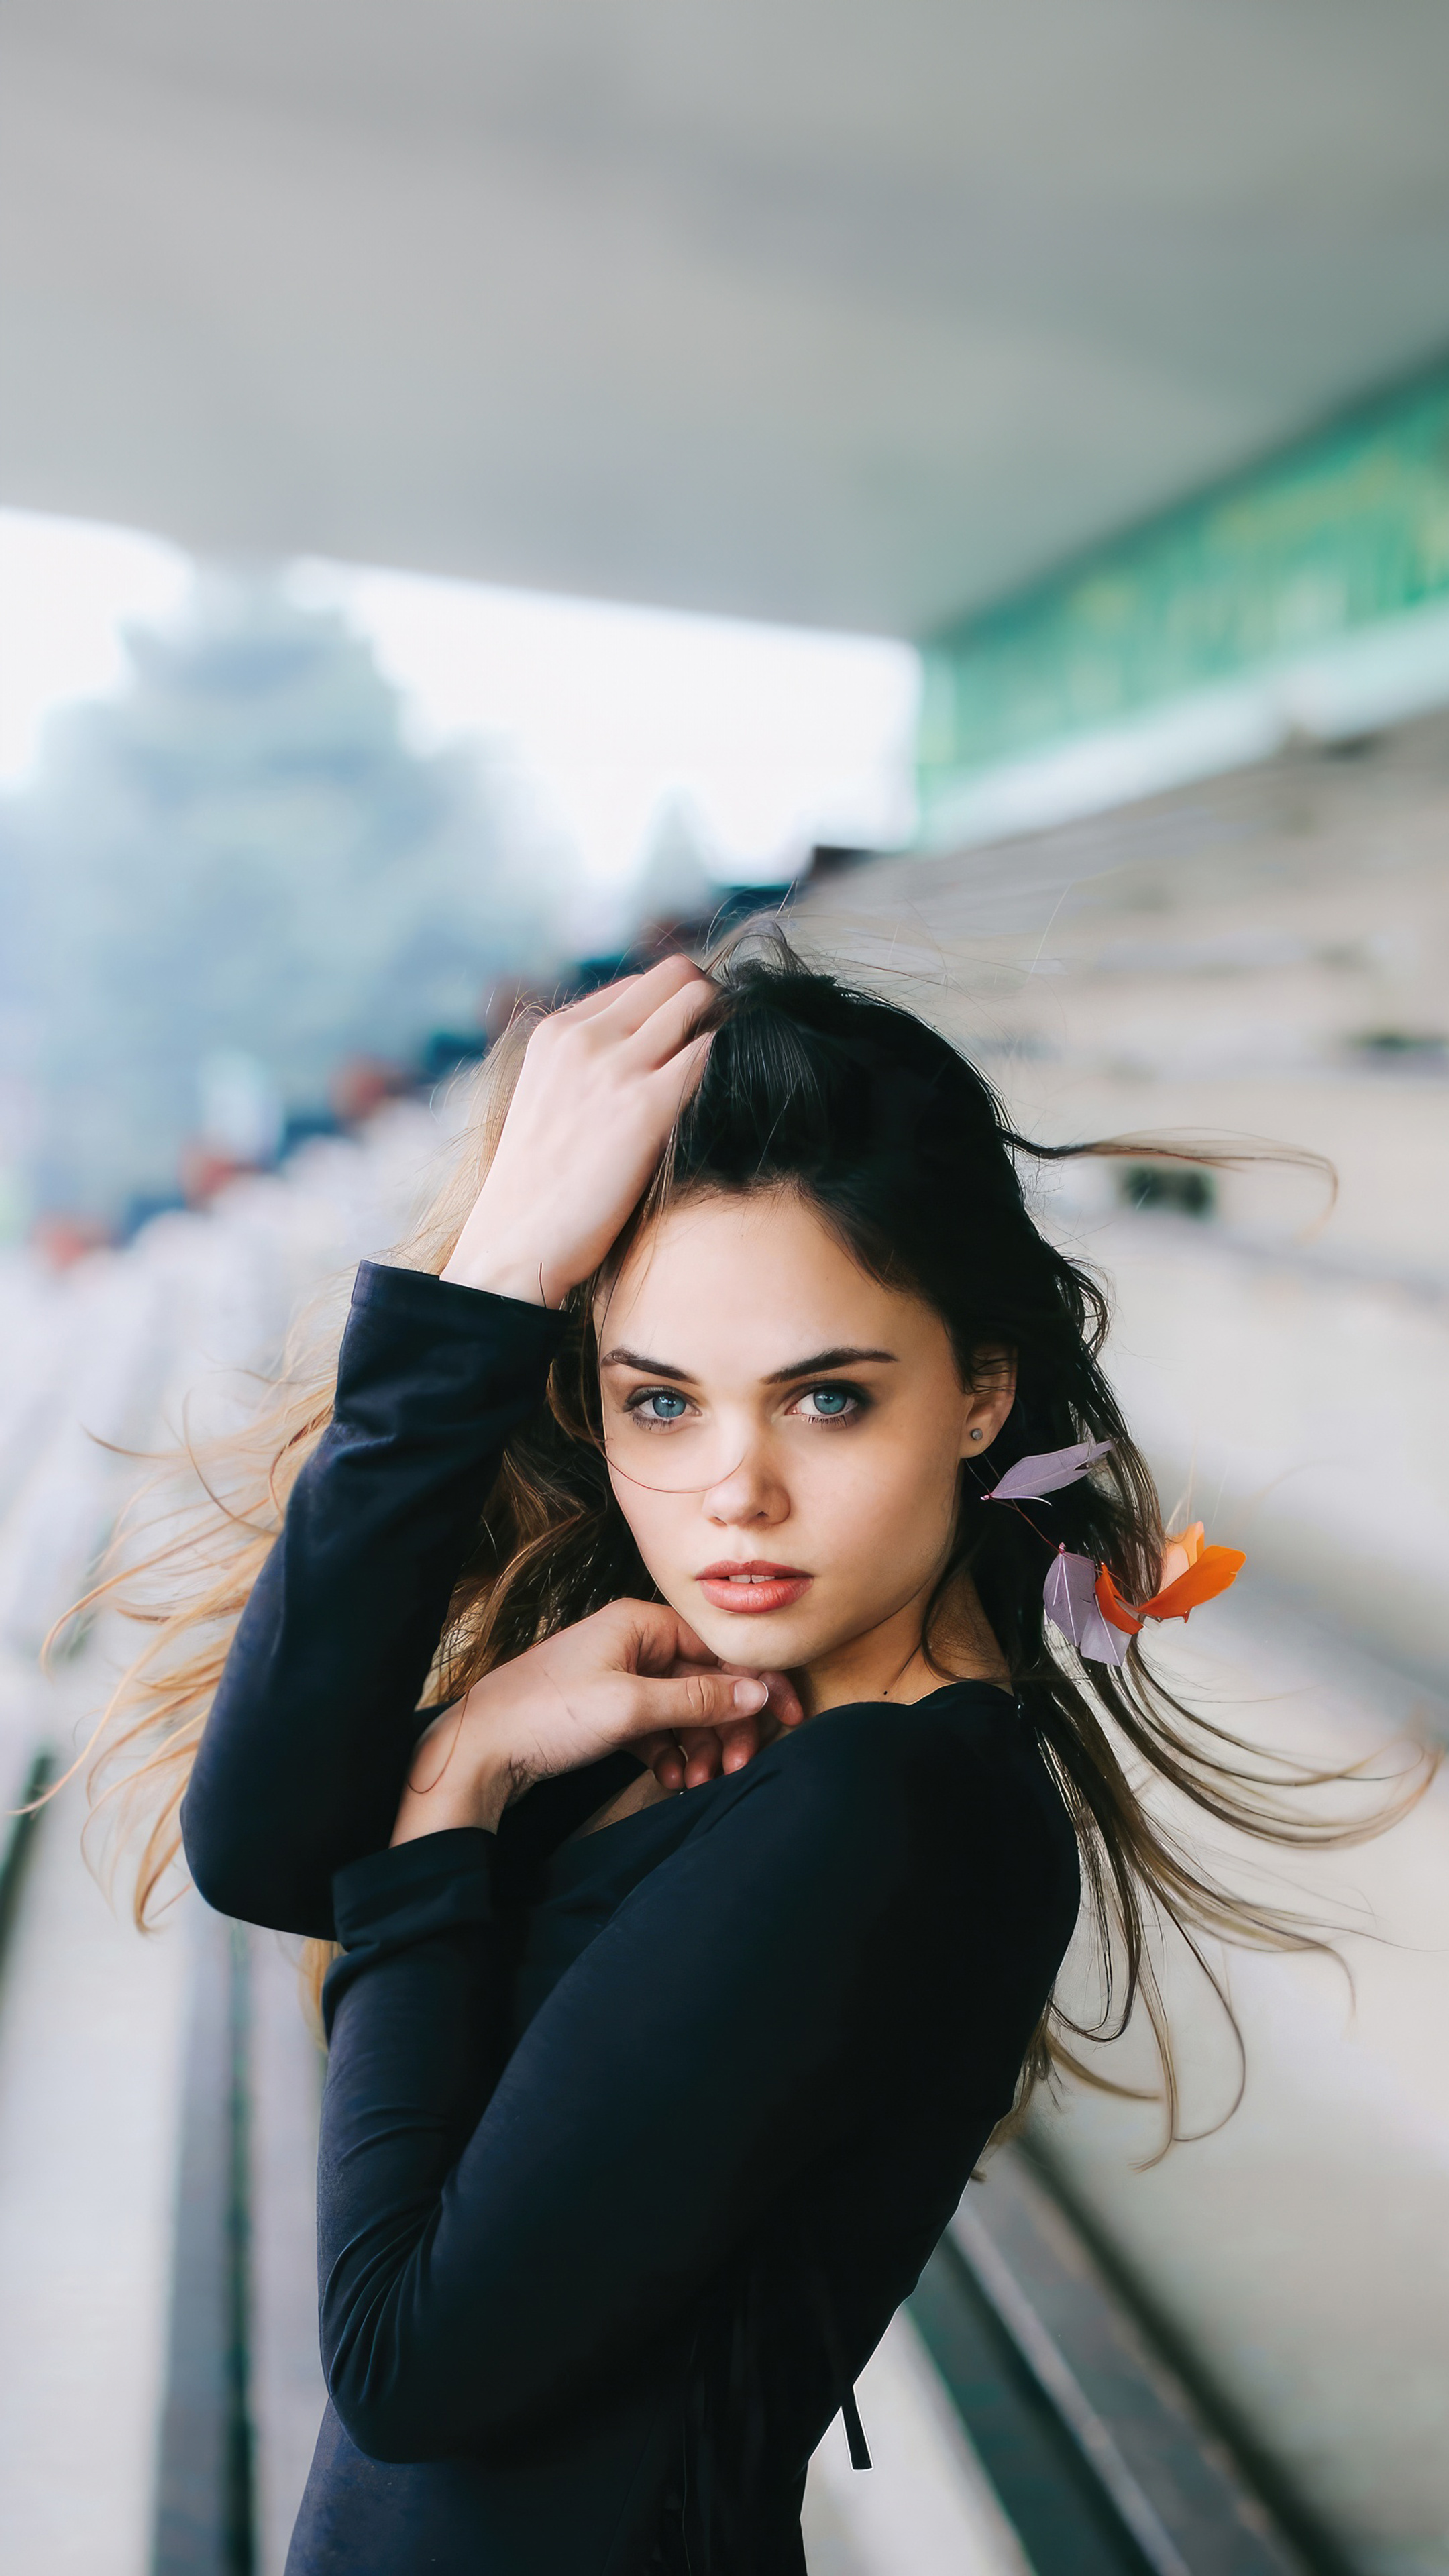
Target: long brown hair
909, 1156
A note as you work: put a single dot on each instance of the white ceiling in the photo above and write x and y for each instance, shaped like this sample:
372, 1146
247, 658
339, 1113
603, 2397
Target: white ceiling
846, 311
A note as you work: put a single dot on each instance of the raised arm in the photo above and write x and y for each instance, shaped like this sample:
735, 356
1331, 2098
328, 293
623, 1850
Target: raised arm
861, 1907
305, 1751
304, 1755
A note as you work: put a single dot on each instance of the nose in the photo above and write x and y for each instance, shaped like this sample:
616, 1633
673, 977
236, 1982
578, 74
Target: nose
750, 1494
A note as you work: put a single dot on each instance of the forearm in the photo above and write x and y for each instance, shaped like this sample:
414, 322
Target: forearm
306, 1749
415, 2019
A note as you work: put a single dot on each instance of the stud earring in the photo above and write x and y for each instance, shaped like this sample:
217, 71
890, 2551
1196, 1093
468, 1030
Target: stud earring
978, 1435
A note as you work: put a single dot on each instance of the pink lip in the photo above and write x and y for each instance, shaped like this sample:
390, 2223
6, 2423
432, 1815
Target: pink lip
754, 1586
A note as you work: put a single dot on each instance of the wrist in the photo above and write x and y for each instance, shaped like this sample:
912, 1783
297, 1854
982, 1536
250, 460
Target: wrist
511, 1248
499, 1273
444, 1808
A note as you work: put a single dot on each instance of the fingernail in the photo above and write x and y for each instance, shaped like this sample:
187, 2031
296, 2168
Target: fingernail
750, 1695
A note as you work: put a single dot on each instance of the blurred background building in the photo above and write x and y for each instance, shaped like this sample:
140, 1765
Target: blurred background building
483, 493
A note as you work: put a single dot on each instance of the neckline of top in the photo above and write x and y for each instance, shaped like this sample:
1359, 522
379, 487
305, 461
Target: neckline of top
943, 1690
606, 1835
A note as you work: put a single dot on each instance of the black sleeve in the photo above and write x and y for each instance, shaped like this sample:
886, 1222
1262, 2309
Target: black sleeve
305, 1751
484, 2263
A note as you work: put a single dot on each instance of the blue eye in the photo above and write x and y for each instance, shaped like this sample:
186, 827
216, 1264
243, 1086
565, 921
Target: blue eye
830, 1403
661, 1404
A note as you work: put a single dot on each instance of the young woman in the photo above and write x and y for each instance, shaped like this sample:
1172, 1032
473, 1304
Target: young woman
646, 1699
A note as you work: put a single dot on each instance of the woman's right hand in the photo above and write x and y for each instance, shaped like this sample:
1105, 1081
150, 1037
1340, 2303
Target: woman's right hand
601, 1085
634, 1675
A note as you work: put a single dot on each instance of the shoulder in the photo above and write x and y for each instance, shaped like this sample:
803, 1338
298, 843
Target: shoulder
969, 1732
952, 1790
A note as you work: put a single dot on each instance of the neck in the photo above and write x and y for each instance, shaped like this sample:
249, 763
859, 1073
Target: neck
890, 1662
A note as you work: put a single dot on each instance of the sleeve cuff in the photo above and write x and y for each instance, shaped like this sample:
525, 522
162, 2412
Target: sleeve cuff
444, 1306
415, 1888
393, 1900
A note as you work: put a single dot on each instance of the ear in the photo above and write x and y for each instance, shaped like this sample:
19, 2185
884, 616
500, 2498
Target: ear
990, 1395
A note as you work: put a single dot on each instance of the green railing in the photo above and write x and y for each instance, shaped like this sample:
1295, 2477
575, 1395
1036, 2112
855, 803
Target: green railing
1345, 532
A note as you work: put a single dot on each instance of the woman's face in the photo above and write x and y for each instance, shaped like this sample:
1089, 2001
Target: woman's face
784, 1433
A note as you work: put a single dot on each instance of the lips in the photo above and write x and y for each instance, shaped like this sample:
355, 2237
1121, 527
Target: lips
753, 1587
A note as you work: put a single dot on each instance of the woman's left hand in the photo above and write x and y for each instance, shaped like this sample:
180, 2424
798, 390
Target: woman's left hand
633, 1676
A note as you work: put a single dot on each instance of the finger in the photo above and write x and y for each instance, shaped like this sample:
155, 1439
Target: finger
636, 1000
739, 1744
658, 1041
675, 1081
663, 1757
785, 1703
700, 1746
700, 1699
589, 1005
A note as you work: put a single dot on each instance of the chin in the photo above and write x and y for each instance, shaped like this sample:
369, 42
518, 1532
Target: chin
761, 1641
755, 1653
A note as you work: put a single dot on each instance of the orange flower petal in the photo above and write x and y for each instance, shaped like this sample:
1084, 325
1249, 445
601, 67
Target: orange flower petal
1215, 1569
1112, 1606
1180, 1552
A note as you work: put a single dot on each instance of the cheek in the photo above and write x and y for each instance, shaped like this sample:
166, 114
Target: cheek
657, 1522
896, 1496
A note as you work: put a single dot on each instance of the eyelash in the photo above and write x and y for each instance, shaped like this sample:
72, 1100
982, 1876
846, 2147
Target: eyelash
859, 1404
642, 1395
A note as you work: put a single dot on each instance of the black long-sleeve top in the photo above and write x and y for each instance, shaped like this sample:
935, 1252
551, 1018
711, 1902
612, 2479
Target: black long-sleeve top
631, 2144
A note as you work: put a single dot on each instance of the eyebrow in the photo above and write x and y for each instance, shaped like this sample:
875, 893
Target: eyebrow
813, 1367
